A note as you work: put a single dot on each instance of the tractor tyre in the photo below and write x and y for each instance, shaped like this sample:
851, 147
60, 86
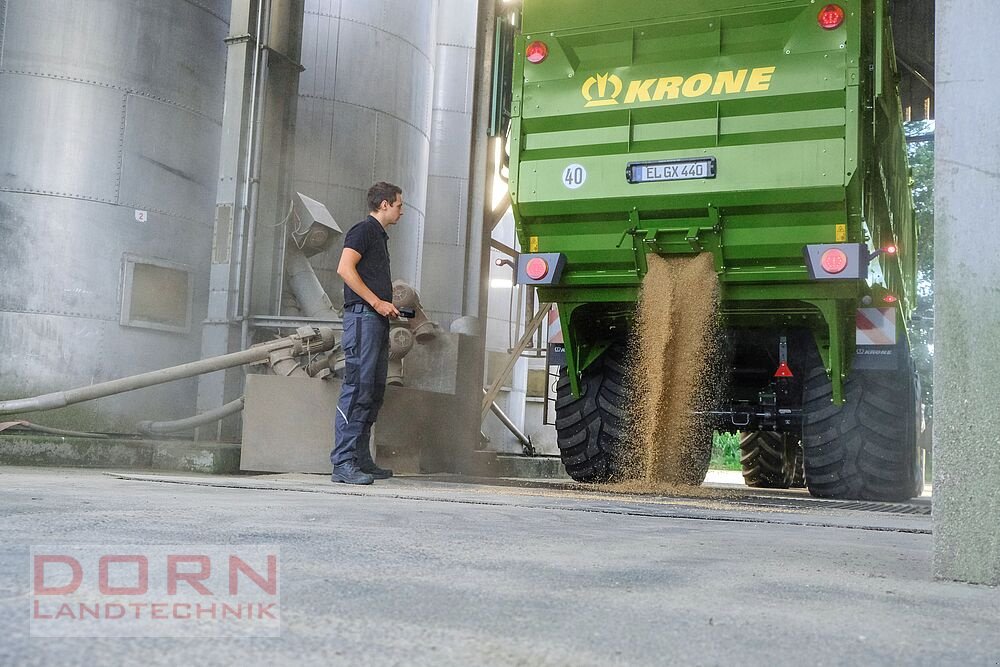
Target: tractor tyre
865, 449
591, 428
768, 459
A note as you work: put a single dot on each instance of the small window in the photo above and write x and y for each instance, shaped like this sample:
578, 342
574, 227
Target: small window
156, 294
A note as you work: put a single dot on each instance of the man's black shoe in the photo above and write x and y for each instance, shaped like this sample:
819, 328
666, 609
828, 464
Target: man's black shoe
367, 465
349, 473
376, 472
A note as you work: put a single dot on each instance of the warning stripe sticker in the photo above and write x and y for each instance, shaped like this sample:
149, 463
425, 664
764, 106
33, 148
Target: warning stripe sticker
555, 328
876, 326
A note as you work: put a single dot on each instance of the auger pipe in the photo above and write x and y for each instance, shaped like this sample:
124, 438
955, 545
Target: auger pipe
254, 354
179, 425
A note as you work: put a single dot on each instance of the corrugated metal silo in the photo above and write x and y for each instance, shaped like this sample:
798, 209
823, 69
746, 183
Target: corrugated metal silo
109, 135
364, 115
443, 271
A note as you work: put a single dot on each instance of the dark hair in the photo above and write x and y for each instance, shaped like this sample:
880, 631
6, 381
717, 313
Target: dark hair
381, 192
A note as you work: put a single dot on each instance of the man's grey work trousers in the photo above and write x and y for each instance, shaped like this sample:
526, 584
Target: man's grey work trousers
366, 350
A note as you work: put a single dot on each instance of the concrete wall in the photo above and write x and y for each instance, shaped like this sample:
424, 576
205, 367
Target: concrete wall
967, 259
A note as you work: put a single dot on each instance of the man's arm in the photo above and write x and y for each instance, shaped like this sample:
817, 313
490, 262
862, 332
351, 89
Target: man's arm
348, 271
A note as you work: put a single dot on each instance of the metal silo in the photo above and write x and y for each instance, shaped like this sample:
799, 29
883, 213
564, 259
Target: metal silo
109, 135
445, 232
364, 114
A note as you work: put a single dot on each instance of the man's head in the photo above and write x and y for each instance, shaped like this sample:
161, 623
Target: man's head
385, 201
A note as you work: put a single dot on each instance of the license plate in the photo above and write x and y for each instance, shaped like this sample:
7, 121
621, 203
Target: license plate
670, 170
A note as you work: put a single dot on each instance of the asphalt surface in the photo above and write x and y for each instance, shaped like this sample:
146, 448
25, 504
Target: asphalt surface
419, 571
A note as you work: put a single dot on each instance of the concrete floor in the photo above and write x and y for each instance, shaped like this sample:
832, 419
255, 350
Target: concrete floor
421, 571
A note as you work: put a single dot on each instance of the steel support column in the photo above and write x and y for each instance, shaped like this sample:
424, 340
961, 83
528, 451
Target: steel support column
256, 151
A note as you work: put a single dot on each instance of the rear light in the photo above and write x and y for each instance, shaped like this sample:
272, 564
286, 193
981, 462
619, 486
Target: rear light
837, 261
889, 298
890, 249
536, 52
831, 17
834, 261
536, 268
544, 268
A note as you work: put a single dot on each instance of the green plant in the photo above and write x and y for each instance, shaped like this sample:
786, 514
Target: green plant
725, 451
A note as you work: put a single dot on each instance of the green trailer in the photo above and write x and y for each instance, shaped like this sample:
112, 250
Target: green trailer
769, 134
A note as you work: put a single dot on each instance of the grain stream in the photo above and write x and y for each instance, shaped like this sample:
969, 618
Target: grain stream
673, 352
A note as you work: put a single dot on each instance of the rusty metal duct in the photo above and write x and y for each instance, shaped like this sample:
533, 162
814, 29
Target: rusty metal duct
109, 133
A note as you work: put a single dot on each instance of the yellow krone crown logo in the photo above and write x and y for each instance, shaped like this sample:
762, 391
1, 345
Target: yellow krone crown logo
601, 81
609, 87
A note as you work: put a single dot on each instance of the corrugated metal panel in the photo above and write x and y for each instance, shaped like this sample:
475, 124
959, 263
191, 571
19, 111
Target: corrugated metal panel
448, 182
365, 115
105, 108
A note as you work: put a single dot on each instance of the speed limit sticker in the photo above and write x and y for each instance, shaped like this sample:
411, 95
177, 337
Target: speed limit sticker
574, 176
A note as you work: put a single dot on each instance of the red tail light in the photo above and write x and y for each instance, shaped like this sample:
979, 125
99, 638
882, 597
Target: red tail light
834, 260
889, 298
831, 17
891, 250
536, 268
536, 52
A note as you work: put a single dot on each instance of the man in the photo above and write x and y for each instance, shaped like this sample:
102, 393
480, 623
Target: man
364, 267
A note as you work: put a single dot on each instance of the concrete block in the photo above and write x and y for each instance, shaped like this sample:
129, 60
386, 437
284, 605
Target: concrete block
166, 455
530, 467
288, 422
208, 458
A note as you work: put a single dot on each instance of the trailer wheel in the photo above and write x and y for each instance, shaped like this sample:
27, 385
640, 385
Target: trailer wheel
865, 449
591, 429
768, 459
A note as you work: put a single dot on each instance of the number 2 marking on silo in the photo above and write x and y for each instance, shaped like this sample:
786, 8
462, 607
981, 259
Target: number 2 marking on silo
574, 176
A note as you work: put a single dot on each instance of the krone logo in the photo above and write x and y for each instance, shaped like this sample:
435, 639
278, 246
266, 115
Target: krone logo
603, 97
609, 87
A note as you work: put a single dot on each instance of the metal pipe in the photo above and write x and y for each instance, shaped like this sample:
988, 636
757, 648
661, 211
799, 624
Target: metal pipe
52, 431
257, 149
210, 417
284, 363
522, 344
244, 187
304, 284
525, 441
63, 398
321, 366
480, 170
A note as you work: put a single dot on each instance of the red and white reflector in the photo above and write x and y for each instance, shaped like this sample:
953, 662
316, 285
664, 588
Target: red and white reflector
831, 17
834, 261
536, 52
536, 268
783, 371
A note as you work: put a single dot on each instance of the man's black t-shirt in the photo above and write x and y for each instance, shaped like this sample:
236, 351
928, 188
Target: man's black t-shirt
372, 243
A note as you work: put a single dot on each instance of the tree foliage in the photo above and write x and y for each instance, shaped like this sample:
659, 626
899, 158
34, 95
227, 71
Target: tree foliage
921, 155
